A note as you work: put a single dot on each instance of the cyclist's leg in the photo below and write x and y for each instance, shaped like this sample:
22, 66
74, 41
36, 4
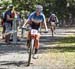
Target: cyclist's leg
3, 36
52, 30
37, 43
7, 30
53, 26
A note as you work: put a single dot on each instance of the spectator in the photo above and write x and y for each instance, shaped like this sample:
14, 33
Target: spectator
8, 22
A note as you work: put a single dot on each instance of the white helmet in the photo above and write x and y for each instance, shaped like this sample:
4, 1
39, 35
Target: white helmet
39, 8
53, 14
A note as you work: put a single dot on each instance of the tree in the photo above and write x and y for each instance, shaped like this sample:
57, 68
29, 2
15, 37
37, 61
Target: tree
61, 7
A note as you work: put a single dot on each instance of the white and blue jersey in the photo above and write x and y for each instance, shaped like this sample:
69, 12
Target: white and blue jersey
36, 20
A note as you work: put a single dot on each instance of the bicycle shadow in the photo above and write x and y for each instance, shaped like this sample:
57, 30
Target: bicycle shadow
13, 63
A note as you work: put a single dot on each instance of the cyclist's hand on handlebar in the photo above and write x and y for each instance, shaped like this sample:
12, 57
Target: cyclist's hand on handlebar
23, 26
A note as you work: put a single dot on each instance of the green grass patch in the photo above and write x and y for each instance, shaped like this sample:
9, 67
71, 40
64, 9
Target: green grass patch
70, 59
0, 29
65, 47
66, 44
70, 39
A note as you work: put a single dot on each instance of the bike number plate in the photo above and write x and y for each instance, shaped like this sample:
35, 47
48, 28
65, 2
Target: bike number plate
34, 32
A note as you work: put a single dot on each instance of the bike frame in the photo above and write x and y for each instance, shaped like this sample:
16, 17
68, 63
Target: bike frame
33, 34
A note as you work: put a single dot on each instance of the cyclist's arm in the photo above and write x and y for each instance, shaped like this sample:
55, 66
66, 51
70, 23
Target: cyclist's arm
57, 19
49, 19
29, 19
45, 24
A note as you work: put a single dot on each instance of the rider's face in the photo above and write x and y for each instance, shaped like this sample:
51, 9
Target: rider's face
37, 13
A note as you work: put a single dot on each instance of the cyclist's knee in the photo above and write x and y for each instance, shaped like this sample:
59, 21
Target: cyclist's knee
28, 36
36, 44
38, 37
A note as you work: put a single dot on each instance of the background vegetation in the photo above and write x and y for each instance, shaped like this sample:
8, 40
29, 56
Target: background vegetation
64, 9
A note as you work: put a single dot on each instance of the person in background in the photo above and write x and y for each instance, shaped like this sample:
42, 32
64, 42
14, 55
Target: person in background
53, 20
18, 20
8, 22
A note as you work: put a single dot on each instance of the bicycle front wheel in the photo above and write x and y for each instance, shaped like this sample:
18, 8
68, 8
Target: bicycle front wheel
30, 51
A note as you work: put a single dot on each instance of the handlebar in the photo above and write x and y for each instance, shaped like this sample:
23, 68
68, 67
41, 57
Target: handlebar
38, 30
25, 28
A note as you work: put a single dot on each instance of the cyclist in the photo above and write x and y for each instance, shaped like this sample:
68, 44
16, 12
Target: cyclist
35, 20
53, 20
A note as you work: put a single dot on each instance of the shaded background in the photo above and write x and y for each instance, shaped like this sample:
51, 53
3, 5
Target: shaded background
64, 9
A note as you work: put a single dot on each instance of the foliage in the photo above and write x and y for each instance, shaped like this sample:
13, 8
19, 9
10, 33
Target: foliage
57, 6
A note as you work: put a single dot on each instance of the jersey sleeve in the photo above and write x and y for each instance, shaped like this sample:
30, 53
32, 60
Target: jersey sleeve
44, 21
57, 19
30, 16
7, 13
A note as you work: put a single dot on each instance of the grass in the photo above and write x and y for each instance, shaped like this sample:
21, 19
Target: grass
69, 51
70, 59
61, 53
0, 29
65, 47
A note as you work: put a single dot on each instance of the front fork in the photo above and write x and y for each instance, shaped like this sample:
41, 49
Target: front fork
32, 43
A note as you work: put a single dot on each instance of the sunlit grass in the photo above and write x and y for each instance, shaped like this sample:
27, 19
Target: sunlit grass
70, 59
0, 29
65, 48
62, 52
66, 41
